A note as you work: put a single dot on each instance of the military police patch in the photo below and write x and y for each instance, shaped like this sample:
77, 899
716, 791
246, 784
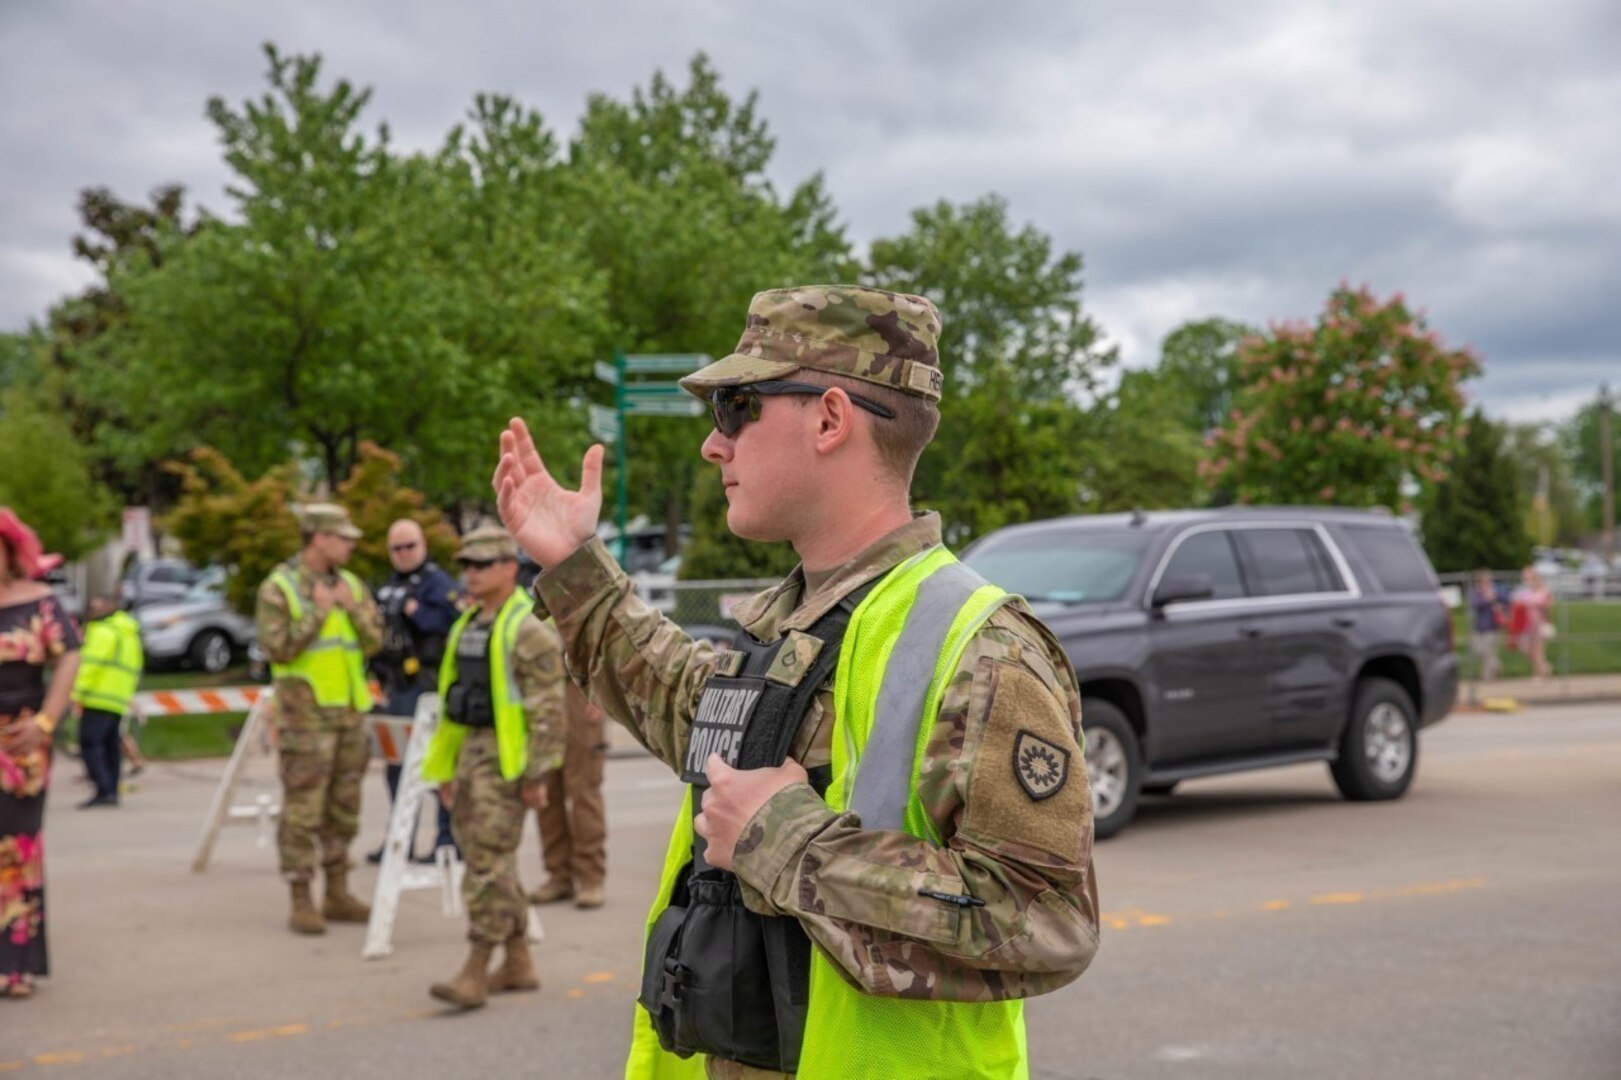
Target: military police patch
1041, 767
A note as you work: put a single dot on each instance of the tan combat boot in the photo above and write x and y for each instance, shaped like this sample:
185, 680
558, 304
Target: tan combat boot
551, 891
588, 896
517, 970
304, 919
338, 905
469, 989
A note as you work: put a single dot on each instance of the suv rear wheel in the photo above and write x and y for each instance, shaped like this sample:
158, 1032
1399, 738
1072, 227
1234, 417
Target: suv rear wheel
1379, 750
1114, 765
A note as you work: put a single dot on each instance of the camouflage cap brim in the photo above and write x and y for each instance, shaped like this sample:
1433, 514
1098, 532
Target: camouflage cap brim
737, 369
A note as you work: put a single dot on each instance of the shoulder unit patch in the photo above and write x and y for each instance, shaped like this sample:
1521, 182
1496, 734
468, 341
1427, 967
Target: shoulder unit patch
1040, 767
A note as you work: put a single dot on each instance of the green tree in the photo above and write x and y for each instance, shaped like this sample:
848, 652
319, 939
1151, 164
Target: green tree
1346, 411
1133, 456
1016, 348
1474, 518
1549, 498
1199, 363
46, 478
1581, 440
674, 204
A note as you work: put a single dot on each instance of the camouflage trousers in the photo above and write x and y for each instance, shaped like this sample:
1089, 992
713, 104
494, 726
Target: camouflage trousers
323, 754
487, 820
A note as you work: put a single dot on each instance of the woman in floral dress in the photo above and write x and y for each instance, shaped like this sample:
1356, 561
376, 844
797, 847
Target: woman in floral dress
34, 633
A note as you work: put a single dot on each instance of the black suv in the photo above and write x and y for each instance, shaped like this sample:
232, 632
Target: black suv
1213, 641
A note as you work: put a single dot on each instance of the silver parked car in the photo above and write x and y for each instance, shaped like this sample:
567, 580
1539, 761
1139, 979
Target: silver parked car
156, 580
199, 628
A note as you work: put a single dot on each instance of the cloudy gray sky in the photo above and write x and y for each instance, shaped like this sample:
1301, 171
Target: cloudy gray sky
1206, 158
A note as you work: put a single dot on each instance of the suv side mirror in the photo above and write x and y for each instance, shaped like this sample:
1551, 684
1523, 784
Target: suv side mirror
1174, 590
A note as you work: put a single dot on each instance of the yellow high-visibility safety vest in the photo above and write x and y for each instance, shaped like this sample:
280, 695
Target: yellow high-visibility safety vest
110, 663
511, 728
333, 664
899, 653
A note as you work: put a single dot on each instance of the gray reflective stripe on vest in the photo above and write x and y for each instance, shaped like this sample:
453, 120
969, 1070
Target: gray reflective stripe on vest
883, 781
332, 643
132, 669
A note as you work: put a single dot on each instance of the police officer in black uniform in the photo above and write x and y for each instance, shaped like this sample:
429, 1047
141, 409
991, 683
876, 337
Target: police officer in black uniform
418, 602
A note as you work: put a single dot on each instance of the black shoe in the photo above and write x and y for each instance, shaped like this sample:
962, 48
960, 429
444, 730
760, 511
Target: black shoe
99, 800
376, 857
423, 860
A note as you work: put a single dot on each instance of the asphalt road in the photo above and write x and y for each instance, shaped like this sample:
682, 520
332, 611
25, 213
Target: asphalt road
1256, 927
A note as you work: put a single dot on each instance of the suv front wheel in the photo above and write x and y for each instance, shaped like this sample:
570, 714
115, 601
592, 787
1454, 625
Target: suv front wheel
1379, 750
1114, 765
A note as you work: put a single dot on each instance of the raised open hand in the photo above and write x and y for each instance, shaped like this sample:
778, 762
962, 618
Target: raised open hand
548, 520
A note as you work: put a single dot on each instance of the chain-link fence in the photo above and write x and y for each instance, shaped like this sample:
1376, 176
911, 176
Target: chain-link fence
1579, 635
700, 606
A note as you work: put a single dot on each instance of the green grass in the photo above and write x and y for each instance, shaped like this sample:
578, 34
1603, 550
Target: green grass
174, 738
1588, 643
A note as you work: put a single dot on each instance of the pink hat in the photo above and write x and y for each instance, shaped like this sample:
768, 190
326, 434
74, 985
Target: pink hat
26, 555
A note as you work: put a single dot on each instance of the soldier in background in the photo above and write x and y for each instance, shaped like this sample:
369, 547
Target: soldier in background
317, 624
574, 822
814, 916
500, 737
418, 603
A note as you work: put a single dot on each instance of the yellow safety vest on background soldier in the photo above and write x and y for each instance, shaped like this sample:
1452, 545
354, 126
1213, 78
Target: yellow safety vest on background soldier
501, 733
317, 623
110, 663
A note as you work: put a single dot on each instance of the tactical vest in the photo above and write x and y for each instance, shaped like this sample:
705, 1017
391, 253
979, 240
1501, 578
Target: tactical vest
506, 700
719, 979
332, 664
469, 701
109, 664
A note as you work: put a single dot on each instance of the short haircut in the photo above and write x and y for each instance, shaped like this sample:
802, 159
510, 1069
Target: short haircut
900, 440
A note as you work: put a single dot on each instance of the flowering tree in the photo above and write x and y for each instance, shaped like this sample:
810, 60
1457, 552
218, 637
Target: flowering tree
1343, 412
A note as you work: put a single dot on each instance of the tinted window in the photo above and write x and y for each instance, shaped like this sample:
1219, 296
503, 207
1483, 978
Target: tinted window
1283, 562
1087, 566
1211, 554
168, 575
1393, 557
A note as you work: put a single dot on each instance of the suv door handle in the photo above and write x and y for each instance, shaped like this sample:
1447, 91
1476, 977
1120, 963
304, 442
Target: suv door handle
1251, 631
1344, 622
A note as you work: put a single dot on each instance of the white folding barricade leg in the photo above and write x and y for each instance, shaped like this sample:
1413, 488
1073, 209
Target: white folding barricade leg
264, 809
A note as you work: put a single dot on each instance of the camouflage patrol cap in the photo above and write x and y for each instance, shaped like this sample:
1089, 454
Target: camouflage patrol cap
489, 542
329, 518
891, 339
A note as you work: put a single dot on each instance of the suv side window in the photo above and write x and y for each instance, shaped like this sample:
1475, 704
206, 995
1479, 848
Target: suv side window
1395, 559
1284, 562
1209, 553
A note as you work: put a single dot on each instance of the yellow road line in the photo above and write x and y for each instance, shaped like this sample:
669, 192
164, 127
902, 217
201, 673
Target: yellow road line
1132, 918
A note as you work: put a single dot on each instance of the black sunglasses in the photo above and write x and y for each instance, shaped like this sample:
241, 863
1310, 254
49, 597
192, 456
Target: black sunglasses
403, 547
479, 564
733, 406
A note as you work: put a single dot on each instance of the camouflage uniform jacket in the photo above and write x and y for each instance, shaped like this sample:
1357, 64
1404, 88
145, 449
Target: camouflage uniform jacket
538, 670
1025, 851
282, 638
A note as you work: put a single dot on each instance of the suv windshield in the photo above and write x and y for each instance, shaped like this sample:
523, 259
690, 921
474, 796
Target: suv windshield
1084, 566
210, 585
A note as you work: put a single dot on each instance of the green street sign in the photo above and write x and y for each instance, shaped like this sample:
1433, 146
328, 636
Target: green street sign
603, 422
653, 390
606, 372
664, 363
664, 406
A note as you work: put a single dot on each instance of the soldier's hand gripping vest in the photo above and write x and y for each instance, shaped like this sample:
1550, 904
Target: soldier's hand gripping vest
718, 978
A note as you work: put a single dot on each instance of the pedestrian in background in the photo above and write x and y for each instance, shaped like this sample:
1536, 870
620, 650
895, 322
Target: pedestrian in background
1530, 622
317, 624
419, 602
109, 671
35, 634
1488, 614
574, 822
499, 738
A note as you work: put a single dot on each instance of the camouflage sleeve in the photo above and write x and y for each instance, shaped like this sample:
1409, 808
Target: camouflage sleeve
639, 666
281, 637
367, 621
537, 668
1005, 784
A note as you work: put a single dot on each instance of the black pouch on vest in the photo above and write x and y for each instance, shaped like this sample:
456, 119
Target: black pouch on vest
718, 978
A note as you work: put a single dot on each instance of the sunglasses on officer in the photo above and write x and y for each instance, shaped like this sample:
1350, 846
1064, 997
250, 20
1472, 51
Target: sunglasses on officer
733, 406
480, 564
